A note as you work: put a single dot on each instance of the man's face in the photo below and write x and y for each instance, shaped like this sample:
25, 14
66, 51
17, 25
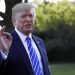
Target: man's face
24, 21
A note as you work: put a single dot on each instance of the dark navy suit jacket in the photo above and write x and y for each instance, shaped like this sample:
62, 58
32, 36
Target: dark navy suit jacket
18, 62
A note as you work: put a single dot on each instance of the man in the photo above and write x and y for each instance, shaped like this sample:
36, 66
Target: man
22, 53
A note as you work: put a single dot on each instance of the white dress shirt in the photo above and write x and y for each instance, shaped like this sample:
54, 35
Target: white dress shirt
3, 54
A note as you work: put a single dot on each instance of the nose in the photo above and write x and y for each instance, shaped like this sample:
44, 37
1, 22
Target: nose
28, 18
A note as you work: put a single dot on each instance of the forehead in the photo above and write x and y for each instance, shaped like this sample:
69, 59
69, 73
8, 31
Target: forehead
30, 11
24, 12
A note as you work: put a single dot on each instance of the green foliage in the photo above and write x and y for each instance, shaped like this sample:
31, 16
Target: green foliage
51, 15
63, 69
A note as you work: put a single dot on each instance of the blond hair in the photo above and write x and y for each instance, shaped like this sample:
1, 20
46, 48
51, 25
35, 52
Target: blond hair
23, 6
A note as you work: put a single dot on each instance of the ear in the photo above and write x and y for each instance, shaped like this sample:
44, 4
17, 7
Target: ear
13, 21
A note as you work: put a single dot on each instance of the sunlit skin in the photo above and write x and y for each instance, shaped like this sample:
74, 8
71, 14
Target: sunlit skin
24, 21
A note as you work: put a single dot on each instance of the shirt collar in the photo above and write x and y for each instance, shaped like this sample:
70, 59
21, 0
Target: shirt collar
22, 36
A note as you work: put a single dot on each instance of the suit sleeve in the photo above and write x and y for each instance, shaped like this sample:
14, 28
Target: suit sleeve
2, 64
1, 59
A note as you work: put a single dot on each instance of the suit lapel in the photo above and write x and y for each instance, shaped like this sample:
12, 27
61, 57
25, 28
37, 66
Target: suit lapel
41, 50
23, 53
38, 43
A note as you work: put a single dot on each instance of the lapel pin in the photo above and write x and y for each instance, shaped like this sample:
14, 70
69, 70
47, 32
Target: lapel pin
38, 42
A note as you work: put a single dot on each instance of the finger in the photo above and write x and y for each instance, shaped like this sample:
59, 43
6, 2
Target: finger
8, 35
0, 27
2, 30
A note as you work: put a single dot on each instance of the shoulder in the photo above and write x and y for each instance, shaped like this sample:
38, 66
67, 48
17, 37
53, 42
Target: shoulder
36, 38
13, 32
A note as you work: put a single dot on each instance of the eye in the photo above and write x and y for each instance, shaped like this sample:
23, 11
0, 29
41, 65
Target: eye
30, 15
23, 16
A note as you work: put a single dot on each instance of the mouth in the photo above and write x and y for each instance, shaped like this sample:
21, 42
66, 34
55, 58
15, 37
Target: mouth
28, 25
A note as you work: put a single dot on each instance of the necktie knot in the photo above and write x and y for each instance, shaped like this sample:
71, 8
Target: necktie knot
28, 38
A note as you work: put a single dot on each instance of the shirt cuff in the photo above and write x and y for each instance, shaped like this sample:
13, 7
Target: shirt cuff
4, 56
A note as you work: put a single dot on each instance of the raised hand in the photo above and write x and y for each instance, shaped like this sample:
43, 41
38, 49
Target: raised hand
5, 40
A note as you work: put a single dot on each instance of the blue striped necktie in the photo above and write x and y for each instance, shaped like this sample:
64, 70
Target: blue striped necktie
34, 58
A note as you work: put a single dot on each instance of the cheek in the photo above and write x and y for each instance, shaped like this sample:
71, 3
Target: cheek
20, 24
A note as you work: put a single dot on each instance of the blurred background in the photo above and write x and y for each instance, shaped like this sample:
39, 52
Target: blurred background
55, 24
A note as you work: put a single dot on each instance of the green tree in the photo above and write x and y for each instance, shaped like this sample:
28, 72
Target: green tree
51, 15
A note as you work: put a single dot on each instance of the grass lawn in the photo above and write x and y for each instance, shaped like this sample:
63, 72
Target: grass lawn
63, 69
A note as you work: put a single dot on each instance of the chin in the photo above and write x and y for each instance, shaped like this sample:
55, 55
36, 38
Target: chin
28, 32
